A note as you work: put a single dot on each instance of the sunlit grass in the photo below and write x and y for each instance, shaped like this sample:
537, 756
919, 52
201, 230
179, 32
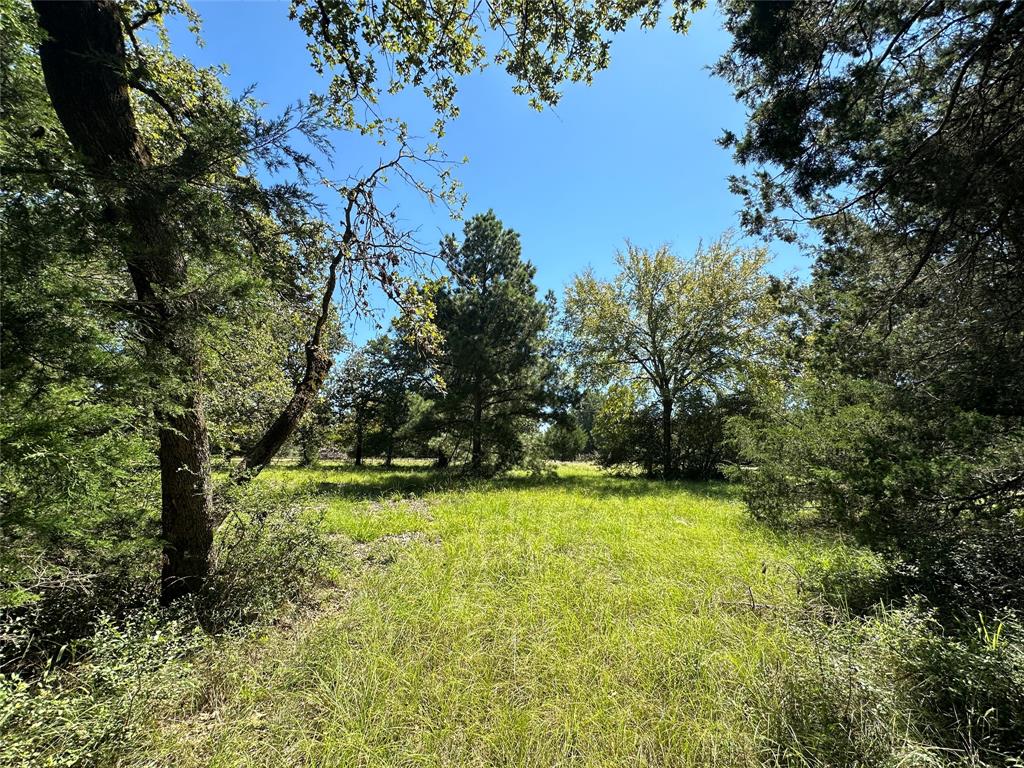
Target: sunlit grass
579, 620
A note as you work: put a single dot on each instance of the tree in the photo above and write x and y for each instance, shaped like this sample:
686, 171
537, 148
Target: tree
678, 327
896, 129
496, 377
373, 394
400, 373
626, 427
565, 440
904, 114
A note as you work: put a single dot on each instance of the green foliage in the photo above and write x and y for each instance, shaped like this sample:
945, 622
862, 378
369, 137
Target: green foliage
671, 334
76, 481
703, 448
95, 698
901, 114
102, 710
373, 397
625, 430
902, 417
272, 550
497, 378
895, 688
430, 46
565, 441
900, 482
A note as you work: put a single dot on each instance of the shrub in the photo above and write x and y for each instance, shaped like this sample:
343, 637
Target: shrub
271, 549
94, 696
85, 714
565, 442
897, 688
936, 492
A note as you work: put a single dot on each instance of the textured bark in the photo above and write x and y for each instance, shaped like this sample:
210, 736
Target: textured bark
85, 68
668, 462
186, 521
477, 451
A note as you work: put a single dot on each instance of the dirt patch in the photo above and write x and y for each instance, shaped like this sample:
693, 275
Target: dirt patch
414, 505
383, 550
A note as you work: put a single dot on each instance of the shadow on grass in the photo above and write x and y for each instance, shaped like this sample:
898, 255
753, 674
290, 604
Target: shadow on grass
376, 481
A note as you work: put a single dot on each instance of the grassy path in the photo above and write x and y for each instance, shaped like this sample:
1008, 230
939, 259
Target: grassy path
581, 620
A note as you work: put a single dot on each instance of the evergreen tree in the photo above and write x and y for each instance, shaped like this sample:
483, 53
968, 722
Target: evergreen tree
493, 364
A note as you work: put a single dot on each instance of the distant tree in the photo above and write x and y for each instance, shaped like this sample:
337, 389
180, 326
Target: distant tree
677, 327
565, 440
399, 372
627, 427
373, 395
492, 360
705, 448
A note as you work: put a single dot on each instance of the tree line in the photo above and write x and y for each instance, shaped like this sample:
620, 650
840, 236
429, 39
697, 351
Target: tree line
641, 371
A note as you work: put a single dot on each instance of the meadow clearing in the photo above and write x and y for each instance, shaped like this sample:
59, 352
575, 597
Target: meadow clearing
572, 619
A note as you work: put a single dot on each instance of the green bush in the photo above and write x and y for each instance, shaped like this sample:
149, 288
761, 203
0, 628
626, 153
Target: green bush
936, 492
94, 696
897, 688
565, 442
87, 713
271, 550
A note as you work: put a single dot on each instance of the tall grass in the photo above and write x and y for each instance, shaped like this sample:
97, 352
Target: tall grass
568, 620
580, 620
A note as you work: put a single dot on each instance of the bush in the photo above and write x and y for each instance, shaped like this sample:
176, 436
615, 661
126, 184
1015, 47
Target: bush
85, 714
937, 493
897, 688
565, 442
271, 550
93, 697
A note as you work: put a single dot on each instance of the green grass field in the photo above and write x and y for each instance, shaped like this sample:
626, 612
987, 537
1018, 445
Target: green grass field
577, 620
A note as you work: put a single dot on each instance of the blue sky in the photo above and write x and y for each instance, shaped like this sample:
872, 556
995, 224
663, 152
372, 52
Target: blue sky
632, 156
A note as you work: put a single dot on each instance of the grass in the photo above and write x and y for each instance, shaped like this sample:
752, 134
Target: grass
577, 620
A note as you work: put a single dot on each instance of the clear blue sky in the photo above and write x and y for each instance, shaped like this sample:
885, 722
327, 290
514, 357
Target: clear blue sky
632, 156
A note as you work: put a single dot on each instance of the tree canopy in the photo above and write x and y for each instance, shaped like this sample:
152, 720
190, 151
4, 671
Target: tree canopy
678, 327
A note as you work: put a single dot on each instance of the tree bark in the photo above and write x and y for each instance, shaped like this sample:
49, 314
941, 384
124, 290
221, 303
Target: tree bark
668, 462
186, 520
86, 72
477, 447
359, 445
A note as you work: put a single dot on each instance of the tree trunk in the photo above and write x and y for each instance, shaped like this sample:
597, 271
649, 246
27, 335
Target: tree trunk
390, 455
668, 464
85, 68
318, 365
359, 445
187, 500
478, 447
